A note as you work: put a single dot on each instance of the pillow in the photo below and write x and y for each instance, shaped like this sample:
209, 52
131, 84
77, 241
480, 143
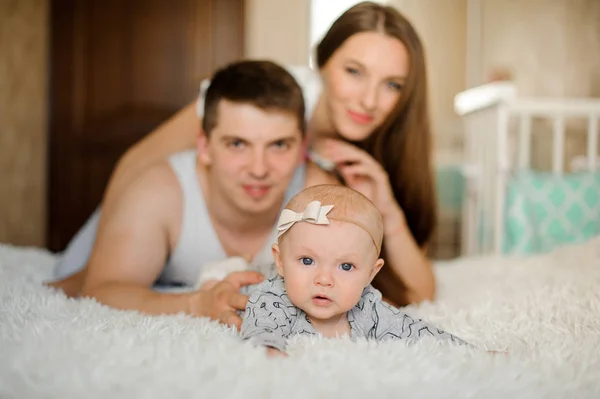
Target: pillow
545, 211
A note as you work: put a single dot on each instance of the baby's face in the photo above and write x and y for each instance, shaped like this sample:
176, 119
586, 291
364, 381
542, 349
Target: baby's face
326, 268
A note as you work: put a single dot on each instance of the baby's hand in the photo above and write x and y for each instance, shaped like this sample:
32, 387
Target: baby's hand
274, 352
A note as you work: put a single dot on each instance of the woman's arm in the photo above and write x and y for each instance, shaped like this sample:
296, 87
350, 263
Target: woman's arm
408, 260
178, 133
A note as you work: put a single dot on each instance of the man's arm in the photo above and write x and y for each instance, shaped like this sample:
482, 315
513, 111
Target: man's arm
132, 245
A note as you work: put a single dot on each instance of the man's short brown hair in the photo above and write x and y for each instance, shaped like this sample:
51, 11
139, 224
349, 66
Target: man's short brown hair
262, 84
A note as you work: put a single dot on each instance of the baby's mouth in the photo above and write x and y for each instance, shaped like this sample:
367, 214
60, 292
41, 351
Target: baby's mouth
321, 300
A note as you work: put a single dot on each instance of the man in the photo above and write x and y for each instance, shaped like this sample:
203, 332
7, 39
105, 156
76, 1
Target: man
202, 206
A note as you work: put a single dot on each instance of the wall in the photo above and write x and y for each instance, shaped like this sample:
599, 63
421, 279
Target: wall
23, 114
278, 30
442, 28
23, 68
552, 48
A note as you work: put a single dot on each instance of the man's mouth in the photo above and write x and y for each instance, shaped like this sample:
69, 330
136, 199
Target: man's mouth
256, 191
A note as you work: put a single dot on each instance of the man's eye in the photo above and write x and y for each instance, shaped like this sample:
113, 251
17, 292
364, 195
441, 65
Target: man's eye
281, 145
347, 267
236, 144
306, 261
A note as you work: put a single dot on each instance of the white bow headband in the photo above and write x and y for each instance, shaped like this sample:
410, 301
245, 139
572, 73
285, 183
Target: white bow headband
314, 213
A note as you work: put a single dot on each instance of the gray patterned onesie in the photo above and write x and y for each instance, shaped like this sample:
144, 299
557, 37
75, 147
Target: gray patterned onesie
270, 318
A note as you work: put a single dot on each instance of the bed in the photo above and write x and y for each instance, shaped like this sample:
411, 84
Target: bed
513, 204
544, 310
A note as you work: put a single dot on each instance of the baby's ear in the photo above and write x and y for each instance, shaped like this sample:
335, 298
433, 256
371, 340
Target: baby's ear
277, 257
376, 268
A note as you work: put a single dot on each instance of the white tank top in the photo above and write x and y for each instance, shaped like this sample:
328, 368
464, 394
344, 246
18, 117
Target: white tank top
198, 242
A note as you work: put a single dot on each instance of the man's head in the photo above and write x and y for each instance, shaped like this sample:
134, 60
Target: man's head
251, 134
327, 264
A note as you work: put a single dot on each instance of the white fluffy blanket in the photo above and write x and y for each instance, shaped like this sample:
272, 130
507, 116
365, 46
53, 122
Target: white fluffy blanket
544, 310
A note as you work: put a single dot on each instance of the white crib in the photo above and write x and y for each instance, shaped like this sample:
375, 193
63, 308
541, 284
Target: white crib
498, 137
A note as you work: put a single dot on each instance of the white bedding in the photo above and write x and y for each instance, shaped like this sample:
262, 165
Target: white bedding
544, 310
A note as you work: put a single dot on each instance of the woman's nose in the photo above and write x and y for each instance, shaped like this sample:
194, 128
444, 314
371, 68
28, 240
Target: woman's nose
369, 96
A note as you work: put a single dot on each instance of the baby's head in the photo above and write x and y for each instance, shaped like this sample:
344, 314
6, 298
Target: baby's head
326, 265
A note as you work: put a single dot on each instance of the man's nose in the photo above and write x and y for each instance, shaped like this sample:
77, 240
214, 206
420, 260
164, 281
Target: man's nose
258, 165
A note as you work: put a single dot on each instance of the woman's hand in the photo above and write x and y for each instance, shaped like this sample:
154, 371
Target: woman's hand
365, 175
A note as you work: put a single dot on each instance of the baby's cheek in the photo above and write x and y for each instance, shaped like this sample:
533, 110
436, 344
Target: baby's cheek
295, 293
350, 299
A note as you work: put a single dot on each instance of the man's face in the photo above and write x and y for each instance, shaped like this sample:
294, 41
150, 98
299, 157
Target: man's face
251, 155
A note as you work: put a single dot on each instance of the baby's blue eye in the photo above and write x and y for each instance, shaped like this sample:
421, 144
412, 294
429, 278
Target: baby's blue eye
347, 266
306, 261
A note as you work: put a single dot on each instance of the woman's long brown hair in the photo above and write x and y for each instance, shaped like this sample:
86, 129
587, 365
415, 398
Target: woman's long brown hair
402, 144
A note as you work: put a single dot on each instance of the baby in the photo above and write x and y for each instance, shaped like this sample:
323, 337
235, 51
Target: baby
329, 242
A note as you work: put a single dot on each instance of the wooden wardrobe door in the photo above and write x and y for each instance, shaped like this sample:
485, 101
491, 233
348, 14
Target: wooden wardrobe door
119, 69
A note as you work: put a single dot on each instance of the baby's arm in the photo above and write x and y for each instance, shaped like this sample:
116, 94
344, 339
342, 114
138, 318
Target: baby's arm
389, 322
268, 317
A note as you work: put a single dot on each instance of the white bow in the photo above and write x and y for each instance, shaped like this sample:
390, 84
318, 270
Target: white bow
314, 213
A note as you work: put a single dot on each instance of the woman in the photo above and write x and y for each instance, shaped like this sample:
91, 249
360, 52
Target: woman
366, 112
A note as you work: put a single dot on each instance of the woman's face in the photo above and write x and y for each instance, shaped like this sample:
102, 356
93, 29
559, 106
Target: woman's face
363, 79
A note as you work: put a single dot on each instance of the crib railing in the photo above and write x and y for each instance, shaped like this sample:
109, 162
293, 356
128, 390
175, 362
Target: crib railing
487, 113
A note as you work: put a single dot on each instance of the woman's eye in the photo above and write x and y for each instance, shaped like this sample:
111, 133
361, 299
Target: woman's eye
352, 71
395, 86
347, 267
306, 261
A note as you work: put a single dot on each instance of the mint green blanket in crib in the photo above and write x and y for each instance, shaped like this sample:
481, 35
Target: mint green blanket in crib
544, 211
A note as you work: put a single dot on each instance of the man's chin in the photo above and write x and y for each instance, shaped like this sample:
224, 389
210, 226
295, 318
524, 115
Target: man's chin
253, 205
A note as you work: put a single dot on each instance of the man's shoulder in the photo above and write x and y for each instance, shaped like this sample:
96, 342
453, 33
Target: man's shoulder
156, 188
159, 179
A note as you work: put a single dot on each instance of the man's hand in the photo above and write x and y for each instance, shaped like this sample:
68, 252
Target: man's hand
223, 300
208, 285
